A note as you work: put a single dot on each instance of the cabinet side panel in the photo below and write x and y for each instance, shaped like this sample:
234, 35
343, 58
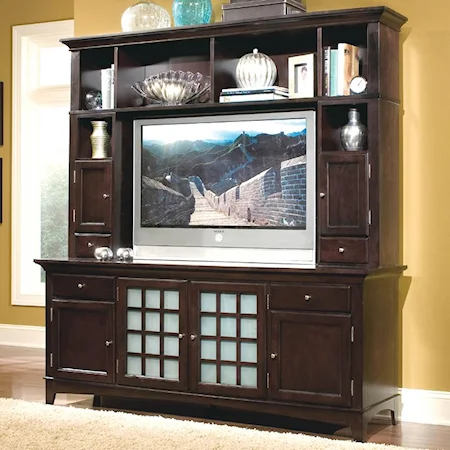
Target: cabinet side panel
380, 348
389, 63
389, 183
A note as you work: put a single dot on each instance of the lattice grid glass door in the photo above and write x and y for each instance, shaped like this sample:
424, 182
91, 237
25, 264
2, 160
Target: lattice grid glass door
228, 333
153, 334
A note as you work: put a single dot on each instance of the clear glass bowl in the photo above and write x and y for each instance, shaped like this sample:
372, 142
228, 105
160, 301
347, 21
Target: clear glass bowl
174, 88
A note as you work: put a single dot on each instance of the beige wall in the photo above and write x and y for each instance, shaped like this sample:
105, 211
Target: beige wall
425, 305
17, 13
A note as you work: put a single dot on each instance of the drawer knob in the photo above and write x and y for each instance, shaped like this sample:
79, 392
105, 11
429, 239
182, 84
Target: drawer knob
90, 244
193, 337
108, 343
273, 355
307, 298
105, 195
181, 336
341, 249
322, 195
81, 285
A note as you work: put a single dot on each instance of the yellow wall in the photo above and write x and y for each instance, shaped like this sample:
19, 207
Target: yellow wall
425, 320
17, 13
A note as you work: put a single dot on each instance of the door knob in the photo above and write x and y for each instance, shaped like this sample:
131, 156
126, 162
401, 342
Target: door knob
81, 285
105, 195
341, 249
307, 298
90, 244
273, 355
322, 195
108, 343
193, 336
181, 336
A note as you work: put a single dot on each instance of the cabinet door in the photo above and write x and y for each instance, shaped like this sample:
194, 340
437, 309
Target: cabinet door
93, 196
82, 340
227, 339
152, 341
343, 194
309, 358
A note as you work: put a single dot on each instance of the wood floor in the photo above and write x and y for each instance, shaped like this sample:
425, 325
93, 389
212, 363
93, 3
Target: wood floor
21, 377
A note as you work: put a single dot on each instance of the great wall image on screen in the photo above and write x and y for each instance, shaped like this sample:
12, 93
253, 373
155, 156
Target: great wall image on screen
228, 178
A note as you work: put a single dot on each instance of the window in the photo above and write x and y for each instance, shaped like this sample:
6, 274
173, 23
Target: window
40, 147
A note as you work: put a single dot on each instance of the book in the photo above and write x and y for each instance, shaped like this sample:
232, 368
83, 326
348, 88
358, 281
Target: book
112, 103
347, 67
333, 71
245, 91
251, 97
326, 70
106, 85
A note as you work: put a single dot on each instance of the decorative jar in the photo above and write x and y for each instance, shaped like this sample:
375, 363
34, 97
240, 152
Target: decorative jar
103, 254
99, 139
191, 12
93, 99
255, 71
145, 15
354, 133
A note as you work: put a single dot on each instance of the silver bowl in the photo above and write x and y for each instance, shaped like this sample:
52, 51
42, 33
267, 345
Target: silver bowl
174, 87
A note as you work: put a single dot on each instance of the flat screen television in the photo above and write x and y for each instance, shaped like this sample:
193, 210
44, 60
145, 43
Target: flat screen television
235, 189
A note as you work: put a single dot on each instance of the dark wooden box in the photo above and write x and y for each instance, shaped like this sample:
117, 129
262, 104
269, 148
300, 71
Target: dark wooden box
256, 9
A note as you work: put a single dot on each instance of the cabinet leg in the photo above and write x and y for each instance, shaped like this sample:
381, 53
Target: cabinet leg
97, 401
49, 396
359, 428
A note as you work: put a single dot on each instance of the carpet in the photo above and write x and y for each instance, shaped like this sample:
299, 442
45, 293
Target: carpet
35, 426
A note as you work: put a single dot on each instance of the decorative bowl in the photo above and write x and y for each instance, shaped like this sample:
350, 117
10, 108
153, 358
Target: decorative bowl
174, 88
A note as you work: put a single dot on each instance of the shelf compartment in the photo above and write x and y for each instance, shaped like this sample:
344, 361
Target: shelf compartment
278, 45
333, 117
139, 62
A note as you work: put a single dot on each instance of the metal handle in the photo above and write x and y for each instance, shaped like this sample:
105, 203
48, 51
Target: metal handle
108, 343
193, 337
308, 298
90, 244
105, 195
81, 285
341, 249
322, 195
181, 336
273, 355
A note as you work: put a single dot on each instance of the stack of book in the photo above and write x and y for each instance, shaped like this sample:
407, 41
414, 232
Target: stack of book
252, 95
341, 64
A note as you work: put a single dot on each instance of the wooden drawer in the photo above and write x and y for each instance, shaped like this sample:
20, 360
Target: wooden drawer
343, 250
313, 297
84, 287
85, 244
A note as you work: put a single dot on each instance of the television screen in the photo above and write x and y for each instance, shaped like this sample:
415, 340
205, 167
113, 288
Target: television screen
234, 181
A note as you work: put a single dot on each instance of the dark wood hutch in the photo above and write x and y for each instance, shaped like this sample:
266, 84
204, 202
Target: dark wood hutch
324, 341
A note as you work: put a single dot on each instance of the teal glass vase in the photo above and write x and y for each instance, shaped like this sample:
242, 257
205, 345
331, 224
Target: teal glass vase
191, 12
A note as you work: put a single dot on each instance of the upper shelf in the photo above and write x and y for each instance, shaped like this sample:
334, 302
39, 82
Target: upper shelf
380, 14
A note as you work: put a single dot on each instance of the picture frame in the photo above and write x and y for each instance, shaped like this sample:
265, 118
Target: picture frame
301, 76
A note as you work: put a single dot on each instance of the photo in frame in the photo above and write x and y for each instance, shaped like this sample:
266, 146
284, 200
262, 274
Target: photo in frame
301, 76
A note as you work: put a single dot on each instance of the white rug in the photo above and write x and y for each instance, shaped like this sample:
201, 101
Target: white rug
35, 426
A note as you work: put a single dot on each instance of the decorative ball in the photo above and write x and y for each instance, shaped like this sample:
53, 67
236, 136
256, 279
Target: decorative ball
124, 254
255, 71
103, 253
145, 15
93, 100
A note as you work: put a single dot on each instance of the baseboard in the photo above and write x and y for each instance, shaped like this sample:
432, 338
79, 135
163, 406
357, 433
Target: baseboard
424, 406
22, 336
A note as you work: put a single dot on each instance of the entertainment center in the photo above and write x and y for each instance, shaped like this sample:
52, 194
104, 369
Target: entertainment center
228, 316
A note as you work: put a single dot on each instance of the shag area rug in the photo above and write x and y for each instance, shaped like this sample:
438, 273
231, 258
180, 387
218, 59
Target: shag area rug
35, 426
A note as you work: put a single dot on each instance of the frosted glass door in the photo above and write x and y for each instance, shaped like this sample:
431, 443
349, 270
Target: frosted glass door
228, 339
155, 334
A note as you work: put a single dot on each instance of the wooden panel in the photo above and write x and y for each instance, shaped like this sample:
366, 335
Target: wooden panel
320, 371
310, 297
93, 196
83, 287
83, 341
343, 196
343, 250
85, 244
